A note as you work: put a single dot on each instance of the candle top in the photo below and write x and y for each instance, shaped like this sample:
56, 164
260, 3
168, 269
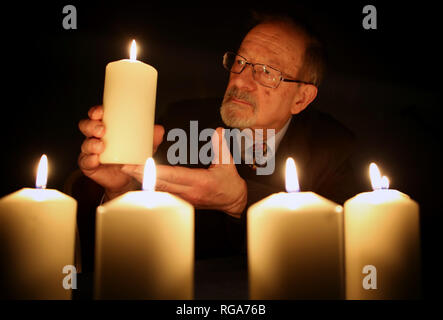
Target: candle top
380, 196
146, 199
297, 201
39, 195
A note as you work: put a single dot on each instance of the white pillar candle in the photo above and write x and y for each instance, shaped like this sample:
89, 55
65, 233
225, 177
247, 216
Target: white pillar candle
145, 245
37, 238
129, 109
295, 245
382, 232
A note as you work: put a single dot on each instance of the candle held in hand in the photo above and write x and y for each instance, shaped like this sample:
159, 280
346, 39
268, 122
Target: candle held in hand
129, 109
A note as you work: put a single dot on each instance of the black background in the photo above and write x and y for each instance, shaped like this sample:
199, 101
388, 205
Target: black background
383, 84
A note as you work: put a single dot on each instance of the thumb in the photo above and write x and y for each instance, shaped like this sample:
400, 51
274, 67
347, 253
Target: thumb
159, 132
222, 155
135, 171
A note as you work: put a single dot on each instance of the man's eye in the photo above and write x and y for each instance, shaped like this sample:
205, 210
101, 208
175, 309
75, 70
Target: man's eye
240, 62
266, 71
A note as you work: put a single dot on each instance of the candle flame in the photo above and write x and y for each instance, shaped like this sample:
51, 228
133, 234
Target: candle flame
384, 182
377, 181
133, 51
149, 175
42, 173
291, 176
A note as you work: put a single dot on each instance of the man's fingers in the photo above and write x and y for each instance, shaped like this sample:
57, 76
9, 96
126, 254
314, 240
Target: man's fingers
169, 174
88, 162
180, 175
177, 175
96, 113
222, 155
92, 146
159, 131
135, 171
185, 192
92, 128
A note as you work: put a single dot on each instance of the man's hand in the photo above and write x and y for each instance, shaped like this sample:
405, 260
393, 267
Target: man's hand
219, 187
108, 176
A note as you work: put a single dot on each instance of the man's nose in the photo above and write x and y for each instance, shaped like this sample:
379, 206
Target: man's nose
245, 79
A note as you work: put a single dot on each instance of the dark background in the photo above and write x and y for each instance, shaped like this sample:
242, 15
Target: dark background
383, 84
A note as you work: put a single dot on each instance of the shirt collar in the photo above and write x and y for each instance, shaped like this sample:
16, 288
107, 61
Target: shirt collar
278, 136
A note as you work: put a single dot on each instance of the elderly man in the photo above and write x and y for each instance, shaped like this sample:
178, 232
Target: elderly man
274, 76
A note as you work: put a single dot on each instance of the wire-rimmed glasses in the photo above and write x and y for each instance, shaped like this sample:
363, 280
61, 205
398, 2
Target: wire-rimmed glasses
265, 75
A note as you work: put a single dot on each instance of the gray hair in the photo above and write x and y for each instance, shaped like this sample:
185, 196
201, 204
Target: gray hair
313, 60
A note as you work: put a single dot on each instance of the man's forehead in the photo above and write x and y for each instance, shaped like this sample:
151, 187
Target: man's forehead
263, 55
273, 45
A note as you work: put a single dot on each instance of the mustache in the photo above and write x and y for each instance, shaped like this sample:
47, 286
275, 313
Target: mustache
236, 93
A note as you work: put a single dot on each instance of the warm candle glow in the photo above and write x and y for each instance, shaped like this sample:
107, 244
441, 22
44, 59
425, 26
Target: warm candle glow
382, 229
294, 244
149, 175
42, 173
384, 182
129, 98
375, 176
37, 228
133, 51
377, 181
291, 176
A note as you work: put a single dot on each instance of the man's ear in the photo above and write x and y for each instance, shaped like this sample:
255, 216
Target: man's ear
305, 96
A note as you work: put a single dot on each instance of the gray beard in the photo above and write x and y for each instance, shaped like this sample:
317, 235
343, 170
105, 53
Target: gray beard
228, 112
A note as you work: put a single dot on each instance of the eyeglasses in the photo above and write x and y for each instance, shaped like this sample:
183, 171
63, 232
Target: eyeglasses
265, 75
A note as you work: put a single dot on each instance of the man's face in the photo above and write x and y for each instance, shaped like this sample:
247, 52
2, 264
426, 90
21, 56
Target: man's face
248, 104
